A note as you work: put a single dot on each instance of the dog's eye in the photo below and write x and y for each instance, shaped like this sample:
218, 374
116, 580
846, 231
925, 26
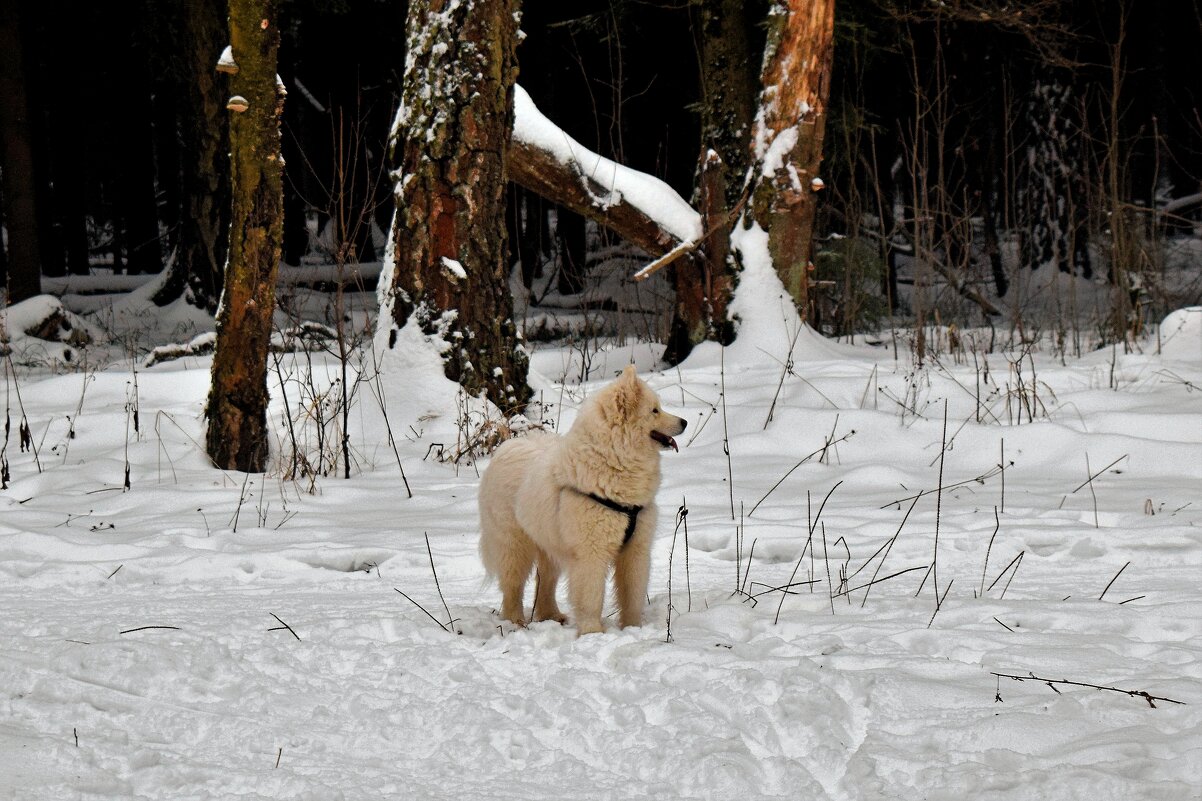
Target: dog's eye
655, 411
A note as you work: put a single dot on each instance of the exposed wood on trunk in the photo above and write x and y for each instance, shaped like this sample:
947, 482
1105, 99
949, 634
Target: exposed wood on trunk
787, 137
451, 134
237, 408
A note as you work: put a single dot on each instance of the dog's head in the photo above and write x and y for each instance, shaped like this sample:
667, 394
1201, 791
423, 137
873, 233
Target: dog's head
632, 408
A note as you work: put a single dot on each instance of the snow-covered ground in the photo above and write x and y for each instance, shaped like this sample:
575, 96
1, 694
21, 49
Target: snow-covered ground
208, 635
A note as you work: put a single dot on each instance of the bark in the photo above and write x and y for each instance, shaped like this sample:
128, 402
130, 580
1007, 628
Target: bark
196, 273
787, 135
728, 83
449, 272
237, 408
24, 279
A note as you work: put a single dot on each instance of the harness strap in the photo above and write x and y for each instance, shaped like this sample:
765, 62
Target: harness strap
631, 512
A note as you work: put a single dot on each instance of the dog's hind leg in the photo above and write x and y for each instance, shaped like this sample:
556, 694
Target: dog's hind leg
546, 579
512, 568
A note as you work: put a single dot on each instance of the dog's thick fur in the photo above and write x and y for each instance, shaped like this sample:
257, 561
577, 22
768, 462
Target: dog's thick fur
535, 508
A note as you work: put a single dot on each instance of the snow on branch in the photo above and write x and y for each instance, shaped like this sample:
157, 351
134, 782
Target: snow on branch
637, 206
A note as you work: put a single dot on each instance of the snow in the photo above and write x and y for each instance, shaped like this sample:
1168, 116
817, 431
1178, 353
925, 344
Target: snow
225, 62
773, 150
19, 322
211, 635
454, 268
645, 192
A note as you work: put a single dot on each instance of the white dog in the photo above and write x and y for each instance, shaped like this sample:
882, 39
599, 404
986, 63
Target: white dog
581, 504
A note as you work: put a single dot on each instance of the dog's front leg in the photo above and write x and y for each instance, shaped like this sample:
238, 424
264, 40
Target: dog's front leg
586, 587
632, 571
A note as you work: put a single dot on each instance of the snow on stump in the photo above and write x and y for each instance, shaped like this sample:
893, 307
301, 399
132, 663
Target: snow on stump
40, 330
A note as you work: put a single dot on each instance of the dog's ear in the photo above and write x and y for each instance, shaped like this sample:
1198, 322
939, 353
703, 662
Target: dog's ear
629, 392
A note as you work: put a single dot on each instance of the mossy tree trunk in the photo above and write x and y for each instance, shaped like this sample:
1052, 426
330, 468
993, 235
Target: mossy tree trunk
450, 138
787, 136
237, 408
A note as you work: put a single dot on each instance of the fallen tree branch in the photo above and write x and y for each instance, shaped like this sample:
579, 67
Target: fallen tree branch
637, 207
1053, 682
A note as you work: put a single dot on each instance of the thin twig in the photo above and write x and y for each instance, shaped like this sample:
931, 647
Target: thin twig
1015, 562
1133, 693
782, 588
723, 224
981, 479
446, 608
808, 546
1092, 494
939, 602
1116, 578
1087, 481
283, 626
148, 628
807, 458
938, 514
730, 478
892, 540
988, 548
876, 580
419, 606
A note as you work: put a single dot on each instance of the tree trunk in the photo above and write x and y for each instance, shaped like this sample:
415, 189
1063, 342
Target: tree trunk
704, 286
728, 87
196, 273
450, 137
237, 408
787, 136
24, 279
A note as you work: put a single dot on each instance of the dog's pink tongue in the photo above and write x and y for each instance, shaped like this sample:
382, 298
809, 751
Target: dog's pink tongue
665, 440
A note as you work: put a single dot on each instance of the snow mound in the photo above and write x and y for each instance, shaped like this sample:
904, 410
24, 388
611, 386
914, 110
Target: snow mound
1181, 334
41, 331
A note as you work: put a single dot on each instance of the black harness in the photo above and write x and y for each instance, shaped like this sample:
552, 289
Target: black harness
631, 512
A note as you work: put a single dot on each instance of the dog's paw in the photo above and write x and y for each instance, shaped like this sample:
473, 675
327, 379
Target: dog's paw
558, 617
589, 628
518, 621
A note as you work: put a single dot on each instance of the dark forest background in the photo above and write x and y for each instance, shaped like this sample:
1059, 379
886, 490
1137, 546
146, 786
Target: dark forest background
1071, 129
